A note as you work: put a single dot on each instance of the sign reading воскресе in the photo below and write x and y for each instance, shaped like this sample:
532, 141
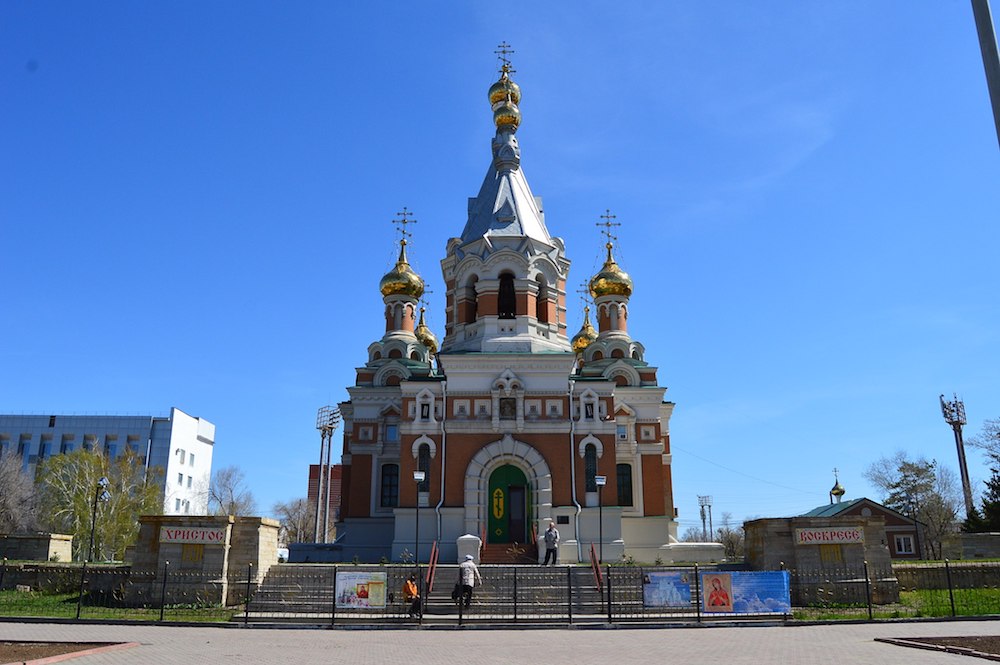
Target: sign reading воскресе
192, 535
828, 536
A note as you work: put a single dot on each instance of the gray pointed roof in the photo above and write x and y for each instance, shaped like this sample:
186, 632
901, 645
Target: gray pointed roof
505, 205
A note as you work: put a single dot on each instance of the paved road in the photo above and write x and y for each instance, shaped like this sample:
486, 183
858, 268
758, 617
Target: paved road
815, 645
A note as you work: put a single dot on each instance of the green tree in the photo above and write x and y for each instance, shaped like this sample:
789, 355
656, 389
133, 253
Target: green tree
987, 516
919, 488
67, 484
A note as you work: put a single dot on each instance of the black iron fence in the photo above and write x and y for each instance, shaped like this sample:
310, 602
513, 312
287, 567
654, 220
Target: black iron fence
360, 594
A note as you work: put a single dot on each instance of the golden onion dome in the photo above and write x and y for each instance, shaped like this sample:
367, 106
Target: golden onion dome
611, 281
401, 280
587, 334
424, 334
506, 115
838, 489
503, 89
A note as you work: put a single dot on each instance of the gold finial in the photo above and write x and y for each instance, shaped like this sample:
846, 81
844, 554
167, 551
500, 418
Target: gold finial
405, 218
611, 280
402, 280
587, 334
503, 50
607, 224
423, 333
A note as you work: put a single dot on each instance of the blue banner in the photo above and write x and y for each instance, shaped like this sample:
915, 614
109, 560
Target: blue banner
666, 589
755, 592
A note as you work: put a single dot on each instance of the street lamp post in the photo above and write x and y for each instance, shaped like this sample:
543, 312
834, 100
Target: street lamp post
419, 477
101, 493
600, 481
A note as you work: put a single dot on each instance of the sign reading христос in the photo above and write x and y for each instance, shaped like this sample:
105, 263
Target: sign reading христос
828, 536
192, 535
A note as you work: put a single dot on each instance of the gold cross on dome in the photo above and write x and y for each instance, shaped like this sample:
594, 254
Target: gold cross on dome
405, 218
503, 50
584, 292
607, 224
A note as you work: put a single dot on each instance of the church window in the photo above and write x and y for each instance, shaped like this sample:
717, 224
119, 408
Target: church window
472, 305
598, 355
377, 356
508, 408
590, 467
425, 411
588, 410
623, 433
424, 464
392, 433
624, 484
390, 486
395, 353
414, 356
635, 355
542, 301
507, 301
621, 380
617, 353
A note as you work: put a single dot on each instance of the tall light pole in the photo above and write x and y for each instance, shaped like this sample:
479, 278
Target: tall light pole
954, 415
101, 493
991, 58
705, 502
600, 481
418, 477
327, 419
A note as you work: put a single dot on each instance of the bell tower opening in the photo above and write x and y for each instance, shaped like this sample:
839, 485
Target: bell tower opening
507, 299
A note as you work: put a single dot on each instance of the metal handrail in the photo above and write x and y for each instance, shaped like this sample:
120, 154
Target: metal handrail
595, 565
432, 568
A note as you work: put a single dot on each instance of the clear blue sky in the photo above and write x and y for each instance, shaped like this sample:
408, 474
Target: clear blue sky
195, 206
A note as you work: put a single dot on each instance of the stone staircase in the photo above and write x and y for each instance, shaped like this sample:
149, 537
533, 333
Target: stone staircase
303, 593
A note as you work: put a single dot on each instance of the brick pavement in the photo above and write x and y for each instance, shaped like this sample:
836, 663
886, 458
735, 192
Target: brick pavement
815, 645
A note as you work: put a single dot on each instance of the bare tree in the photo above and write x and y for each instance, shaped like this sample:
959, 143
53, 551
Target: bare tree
988, 440
921, 489
298, 520
17, 495
731, 536
693, 534
228, 493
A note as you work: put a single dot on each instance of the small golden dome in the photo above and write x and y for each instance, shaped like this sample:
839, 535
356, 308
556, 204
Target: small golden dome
611, 281
424, 334
503, 89
587, 334
506, 115
401, 280
838, 489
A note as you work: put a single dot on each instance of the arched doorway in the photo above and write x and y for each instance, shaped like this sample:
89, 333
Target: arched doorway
508, 506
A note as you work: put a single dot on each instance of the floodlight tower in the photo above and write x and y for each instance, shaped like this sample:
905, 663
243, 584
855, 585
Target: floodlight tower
327, 420
954, 415
706, 502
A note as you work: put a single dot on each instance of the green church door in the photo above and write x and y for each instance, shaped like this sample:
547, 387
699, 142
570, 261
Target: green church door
508, 506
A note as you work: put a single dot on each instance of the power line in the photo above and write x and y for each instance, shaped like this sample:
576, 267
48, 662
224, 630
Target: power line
740, 473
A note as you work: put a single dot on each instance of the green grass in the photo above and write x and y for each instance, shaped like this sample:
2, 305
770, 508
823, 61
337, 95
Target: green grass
63, 605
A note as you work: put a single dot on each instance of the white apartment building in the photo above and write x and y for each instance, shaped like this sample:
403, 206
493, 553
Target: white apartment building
180, 445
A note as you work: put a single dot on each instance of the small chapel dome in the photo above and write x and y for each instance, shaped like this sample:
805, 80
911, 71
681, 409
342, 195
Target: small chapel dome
587, 334
838, 489
401, 280
503, 89
611, 280
424, 334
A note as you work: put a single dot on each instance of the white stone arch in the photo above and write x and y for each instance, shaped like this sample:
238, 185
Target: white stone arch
586, 441
421, 440
494, 455
390, 369
506, 260
622, 368
507, 381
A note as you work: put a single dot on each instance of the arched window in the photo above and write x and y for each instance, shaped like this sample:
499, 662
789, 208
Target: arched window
414, 356
395, 353
617, 353
472, 305
424, 464
507, 302
390, 486
624, 484
542, 302
590, 467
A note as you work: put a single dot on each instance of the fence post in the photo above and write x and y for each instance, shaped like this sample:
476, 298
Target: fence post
697, 592
868, 591
333, 608
515, 594
569, 593
79, 599
951, 589
163, 588
246, 599
608, 582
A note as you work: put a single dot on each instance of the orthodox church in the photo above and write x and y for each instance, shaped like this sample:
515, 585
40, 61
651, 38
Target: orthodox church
509, 422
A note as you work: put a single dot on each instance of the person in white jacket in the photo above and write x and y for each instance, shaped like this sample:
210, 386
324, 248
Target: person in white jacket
468, 577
